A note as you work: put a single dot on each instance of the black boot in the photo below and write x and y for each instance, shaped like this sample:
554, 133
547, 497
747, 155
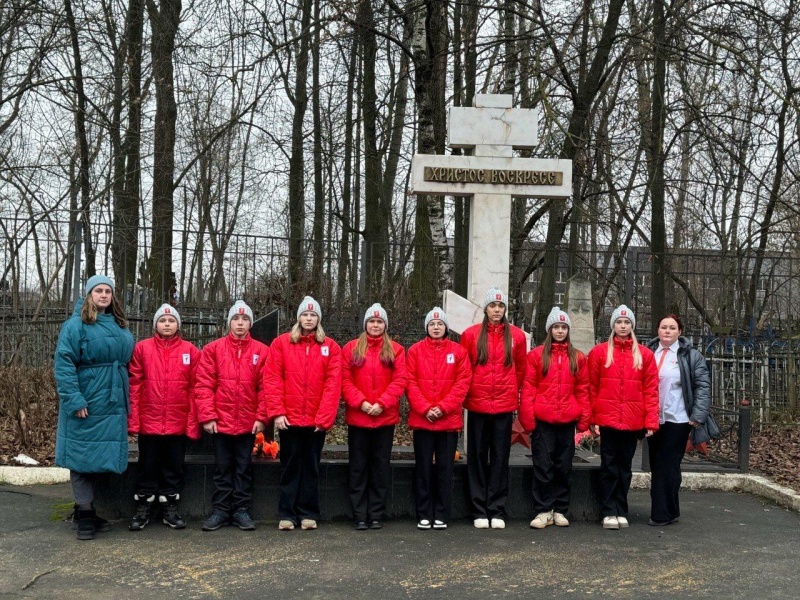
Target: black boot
144, 505
86, 520
169, 510
100, 524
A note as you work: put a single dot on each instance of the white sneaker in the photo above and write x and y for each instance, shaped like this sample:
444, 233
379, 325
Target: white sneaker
542, 520
560, 520
623, 522
481, 523
498, 523
424, 524
437, 524
610, 523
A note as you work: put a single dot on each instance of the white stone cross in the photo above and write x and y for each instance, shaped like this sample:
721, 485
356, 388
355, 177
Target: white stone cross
491, 176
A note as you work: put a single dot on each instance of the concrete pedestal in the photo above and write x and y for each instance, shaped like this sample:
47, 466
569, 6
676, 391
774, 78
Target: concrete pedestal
114, 497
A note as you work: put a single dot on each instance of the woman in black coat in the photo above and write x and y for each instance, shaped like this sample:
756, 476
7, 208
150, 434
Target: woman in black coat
684, 393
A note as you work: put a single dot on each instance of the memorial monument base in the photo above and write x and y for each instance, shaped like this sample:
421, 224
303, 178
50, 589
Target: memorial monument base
114, 496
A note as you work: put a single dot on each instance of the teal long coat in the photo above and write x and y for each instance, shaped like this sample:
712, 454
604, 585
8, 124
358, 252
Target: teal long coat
91, 371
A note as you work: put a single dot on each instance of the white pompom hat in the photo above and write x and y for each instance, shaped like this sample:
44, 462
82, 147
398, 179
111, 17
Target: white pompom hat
623, 312
495, 295
556, 316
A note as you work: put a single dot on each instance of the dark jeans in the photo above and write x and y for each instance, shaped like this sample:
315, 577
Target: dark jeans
489, 446
301, 450
160, 464
552, 451
370, 452
433, 482
667, 447
617, 448
233, 472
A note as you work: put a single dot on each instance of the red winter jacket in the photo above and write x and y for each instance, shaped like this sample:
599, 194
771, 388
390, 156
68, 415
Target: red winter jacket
230, 384
162, 377
374, 382
621, 396
559, 397
495, 388
439, 374
304, 381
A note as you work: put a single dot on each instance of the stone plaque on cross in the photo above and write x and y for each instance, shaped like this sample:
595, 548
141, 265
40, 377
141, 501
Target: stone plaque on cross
491, 176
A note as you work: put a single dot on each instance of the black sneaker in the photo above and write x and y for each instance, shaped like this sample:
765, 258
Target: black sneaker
142, 517
216, 520
169, 512
242, 520
360, 526
375, 524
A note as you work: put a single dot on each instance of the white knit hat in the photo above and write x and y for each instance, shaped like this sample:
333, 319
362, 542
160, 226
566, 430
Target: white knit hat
495, 295
556, 316
436, 313
166, 309
376, 311
623, 312
309, 305
240, 308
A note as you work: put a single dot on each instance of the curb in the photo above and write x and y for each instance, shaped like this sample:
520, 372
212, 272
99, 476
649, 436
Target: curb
731, 482
33, 475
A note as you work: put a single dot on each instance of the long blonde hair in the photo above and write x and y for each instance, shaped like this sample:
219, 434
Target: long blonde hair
89, 311
297, 333
360, 351
637, 355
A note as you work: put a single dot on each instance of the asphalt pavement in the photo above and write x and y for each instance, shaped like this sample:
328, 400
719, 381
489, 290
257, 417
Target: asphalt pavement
727, 545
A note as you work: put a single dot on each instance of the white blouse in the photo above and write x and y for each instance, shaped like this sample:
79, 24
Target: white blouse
670, 394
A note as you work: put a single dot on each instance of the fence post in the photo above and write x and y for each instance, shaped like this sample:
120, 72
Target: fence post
744, 436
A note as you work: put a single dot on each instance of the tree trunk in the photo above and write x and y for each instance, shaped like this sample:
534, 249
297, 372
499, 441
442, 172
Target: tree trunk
344, 254
319, 190
432, 264
375, 221
164, 22
127, 180
575, 140
297, 208
658, 241
83, 143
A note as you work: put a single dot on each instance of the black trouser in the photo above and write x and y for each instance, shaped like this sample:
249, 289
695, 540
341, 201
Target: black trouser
667, 447
160, 464
552, 450
433, 483
370, 451
301, 451
617, 448
233, 472
489, 446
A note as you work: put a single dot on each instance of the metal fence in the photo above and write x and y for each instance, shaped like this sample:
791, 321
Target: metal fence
758, 364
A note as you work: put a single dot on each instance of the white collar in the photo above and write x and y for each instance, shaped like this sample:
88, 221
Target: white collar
675, 345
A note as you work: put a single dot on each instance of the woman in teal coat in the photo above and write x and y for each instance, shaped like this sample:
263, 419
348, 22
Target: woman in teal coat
91, 360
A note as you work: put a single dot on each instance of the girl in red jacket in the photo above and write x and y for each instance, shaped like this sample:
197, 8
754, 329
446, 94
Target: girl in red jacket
162, 374
438, 380
497, 353
555, 400
304, 381
623, 391
232, 408
373, 379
